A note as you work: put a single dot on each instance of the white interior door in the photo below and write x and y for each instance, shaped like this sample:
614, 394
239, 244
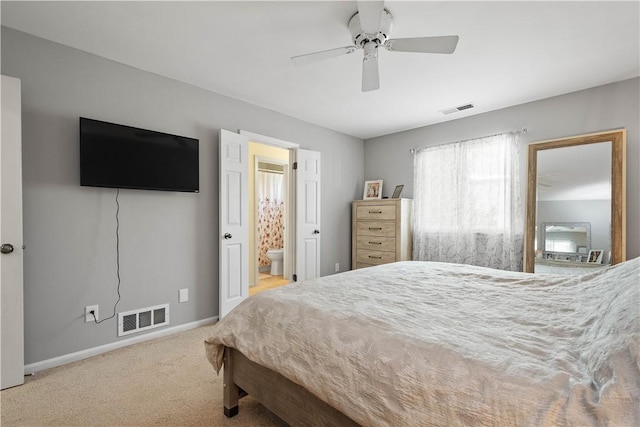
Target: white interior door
234, 216
307, 215
11, 310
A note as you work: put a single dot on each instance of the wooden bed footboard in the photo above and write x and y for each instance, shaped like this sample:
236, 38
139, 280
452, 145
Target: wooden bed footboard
288, 400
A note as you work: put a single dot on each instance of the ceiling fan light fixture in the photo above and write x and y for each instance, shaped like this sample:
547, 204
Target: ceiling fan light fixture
370, 50
370, 73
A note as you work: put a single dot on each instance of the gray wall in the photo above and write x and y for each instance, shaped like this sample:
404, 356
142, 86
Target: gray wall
598, 109
168, 240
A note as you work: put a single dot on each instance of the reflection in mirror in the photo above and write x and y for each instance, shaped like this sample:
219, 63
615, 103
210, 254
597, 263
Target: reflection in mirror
575, 182
567, 241
574, 185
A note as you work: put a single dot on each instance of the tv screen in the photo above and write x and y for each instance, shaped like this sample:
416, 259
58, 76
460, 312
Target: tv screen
120, 156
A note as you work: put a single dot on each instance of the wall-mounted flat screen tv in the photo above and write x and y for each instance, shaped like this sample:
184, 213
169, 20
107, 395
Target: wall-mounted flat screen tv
120, 156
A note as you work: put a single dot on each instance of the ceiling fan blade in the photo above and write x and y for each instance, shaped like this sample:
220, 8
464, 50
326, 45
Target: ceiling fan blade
443, 44
370, 13
370, 76
310, 58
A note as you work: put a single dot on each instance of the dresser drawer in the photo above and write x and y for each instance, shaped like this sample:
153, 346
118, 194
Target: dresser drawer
376, 212
376, 243
375, 257
361, 265
375, 228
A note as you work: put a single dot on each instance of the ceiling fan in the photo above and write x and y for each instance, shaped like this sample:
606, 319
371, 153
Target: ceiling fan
370, 28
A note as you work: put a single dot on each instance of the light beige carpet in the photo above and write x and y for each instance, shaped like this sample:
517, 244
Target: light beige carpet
164, 382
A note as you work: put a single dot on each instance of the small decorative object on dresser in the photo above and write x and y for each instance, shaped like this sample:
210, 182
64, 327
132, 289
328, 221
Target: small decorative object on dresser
595, 255
397, 192
372, 190
381, 232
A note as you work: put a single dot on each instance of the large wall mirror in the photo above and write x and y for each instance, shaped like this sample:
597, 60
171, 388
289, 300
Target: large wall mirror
576, 209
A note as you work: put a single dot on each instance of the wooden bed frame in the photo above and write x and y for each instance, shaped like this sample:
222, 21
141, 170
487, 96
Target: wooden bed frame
291, 402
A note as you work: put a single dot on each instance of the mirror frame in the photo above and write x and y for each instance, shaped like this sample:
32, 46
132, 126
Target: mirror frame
618, 139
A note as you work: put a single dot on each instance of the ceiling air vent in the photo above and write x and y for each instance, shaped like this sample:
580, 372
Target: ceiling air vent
457, 109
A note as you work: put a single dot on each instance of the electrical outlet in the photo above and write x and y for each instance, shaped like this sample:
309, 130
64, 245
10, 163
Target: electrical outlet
337, 267
88, 317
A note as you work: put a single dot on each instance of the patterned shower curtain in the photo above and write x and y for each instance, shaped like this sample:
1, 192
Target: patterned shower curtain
270, 214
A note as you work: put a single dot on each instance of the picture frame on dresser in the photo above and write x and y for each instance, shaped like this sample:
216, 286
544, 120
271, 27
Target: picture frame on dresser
595, 256
397, 192
372, 190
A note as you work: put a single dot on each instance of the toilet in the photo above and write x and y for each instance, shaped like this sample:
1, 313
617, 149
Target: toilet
276, 256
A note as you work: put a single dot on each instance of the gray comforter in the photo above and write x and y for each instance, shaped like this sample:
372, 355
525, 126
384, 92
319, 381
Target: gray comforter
435, 344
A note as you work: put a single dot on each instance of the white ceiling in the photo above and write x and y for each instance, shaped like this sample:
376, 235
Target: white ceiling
509, 52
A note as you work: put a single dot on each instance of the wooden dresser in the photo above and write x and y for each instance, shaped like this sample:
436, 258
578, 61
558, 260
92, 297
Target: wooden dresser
381, 231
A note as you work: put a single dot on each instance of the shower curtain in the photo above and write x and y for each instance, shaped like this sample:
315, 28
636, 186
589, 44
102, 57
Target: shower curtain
270, 214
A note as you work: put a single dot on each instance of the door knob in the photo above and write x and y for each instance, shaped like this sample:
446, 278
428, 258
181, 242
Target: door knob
6, 248
316, 231
227, 235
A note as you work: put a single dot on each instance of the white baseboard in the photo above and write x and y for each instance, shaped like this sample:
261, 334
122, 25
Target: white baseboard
90, 352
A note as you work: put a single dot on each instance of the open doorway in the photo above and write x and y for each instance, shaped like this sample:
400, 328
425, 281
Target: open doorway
270, 212
302, 262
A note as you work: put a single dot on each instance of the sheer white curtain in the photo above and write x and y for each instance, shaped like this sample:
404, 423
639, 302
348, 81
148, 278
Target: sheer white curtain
467, 206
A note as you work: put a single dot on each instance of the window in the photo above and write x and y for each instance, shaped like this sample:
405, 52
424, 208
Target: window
560, 246
467, 205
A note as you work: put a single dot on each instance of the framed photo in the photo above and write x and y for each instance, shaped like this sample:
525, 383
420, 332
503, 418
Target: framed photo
372, 190
595, 256
397, 192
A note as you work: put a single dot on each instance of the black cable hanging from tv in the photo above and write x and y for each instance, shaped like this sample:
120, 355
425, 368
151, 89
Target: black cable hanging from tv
117, 262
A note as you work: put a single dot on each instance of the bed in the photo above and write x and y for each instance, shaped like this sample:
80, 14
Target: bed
435, 344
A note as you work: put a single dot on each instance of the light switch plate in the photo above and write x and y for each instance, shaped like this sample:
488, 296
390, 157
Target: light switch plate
183, 295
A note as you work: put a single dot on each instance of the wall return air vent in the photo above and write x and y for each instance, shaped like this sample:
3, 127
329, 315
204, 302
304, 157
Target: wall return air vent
459, 108
130, 322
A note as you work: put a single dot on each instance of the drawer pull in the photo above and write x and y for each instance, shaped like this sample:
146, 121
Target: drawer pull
375, 257
375, 228
375, 212
375, 243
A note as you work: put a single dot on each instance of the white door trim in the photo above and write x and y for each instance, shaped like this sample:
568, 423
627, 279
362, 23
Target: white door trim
269, 140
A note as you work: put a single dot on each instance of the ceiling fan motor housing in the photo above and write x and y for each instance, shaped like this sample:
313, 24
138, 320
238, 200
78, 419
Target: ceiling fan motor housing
360, 38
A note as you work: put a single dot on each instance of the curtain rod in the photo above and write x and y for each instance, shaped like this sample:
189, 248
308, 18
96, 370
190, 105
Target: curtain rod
414, 150
270, 171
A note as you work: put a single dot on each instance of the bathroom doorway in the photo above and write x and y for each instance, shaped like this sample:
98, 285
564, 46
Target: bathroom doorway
302, 232
270, 208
